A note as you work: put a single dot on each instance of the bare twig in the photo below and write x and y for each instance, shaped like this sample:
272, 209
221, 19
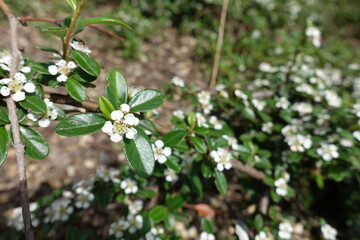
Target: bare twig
249, 170
66, 99
18, 143
219, 45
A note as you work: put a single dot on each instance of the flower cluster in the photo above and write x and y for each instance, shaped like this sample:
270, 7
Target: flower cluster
204, 99
63, 68
222, 158
16, 87
122, 124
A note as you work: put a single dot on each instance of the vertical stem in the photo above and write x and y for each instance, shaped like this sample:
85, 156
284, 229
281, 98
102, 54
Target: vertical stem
18, 144
219, 45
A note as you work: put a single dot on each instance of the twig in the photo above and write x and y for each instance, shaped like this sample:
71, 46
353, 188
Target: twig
24, 20
249, 170
14, 121
66, 99
219, 45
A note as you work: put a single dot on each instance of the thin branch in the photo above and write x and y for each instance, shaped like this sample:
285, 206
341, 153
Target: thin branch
219, 45
14, 121
66, 99
249, 170
24, 20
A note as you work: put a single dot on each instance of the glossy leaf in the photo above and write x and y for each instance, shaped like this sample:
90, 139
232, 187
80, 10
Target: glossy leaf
36, 146
4, 144
175, 202
158, 213
139, 153
80, 124
105, 107
48, 49
35, 104
145, 100
103, 21
148, 125
76, 90
207, 225
59, 32
220, 182
4, 116
86, 63
174, 137
117, 91
199, 144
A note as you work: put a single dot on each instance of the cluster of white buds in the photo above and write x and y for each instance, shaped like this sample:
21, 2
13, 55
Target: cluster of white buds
16, 87
204, 99
123, 124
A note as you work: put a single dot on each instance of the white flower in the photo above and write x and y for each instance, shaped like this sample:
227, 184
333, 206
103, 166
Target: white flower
124, 108
282, 103
135, 223
63, 68
80, 46
241, 233
332, 98
356, 109
314, 35
200, 120
303, 108
170, 175
258, 104
328, 232
267, 127
221, 89
117, 228
328, 151
84, 198
204, 99
266, 67
216, 122
281, 187
152, 234
222, 157
17, 86
356, 135
135, 206
232, 142
262, 236
161, 153
121, 125
59, 210
107, 175
129, 186
179, 114
285, 230
178, 81
298, 143
206, 236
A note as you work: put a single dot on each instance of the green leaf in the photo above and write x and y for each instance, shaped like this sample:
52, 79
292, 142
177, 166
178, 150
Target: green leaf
73, 4
35, 104
191, 118
80, 124
40, 67
4, 144
48, 49
117, 91
36, 146
148, 125
259, 222
82, 77
171, 162
139, 153
207, 225
206, 170
197, 185
175, 202
147, 193
103, 21
59, 32
174, 137
158, 213
76, 90
4, 116
146, 100
72, 233
86, 63
220, 182
199, 144
105, 107
249, 113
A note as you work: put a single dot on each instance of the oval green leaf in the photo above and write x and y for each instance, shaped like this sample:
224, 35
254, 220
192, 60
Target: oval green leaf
199, 144
86, 63
158, 213
139, 153
220, 182
59, 32
103, 21
35, 104
146, 100
76, 90
117, 91
4, 116
174, 137
105, 107
4, 144
36, 146
80, 124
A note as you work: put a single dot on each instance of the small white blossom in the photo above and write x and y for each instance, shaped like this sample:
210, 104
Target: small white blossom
258, 104
200, 120
356, 109
207, 236
178, 81
179, 114
107, 175
314, 35
285, 230
281, 187
16, 87
282, 103
220, 88
135, 206
303, 108
170, 175
328, 151
298, 143
267, 127
59, 210
332, 98
232, 142
222, 157
63, 68
262, 236
266, 67
122, 125
216, 122
161, 153
80, 46
356, 135
117, 228
84, 198
328, 232
129, 186
152, 234
135, 223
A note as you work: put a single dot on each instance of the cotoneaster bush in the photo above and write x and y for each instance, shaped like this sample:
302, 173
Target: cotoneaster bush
272, 153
